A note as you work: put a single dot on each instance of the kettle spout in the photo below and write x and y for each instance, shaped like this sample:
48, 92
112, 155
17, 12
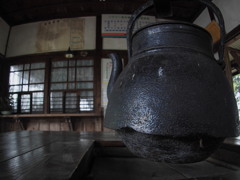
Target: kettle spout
116, 70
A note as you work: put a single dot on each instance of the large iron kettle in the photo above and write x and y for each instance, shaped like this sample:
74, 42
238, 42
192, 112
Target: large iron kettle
172, 102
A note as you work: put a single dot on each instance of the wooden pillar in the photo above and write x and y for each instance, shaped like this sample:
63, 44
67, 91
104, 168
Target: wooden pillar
98, 58
47, 87
4, 78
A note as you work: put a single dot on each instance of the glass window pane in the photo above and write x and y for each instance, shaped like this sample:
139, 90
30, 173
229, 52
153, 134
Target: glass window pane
72, 63
236, 88
25, 77
56, 101
37, 76
71, 102
85, 74
15, 98
86, 101
85, 62
25, 88
36, 87
37, 102
71, 74
15, 78
85, 85
71, 85
59, 64
59, 75
86, 104
16, 67
25, 103
86, 93
58, 86
37, 65
15, 88
26, 66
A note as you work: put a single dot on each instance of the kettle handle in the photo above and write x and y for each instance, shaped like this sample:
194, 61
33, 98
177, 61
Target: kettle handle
150, 3
131, 24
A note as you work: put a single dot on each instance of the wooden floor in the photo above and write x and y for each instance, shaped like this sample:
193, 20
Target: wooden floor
140, 169
91, 156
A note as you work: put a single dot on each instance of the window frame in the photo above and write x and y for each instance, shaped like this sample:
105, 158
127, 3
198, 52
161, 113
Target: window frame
59, 56
23, 92
78, 90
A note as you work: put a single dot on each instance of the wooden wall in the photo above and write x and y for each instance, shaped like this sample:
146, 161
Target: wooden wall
79, 124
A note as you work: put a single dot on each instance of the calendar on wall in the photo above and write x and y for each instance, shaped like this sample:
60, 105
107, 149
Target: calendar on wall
115, 25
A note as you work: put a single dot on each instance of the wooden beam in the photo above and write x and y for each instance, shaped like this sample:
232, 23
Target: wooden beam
236, 55
235, 33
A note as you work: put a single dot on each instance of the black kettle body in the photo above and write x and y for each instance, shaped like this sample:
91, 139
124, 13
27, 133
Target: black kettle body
172, 102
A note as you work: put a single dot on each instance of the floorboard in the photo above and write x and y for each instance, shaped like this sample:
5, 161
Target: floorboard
57, 160
92, 156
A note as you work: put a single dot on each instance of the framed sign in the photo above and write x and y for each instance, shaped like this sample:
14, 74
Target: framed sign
115, 25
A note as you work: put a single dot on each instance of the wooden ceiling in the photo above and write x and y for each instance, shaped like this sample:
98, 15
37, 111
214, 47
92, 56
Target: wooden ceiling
16, 12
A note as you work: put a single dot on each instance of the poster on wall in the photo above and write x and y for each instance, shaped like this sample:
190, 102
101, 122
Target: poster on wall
54, 34
115, 25
76, 33
106, 67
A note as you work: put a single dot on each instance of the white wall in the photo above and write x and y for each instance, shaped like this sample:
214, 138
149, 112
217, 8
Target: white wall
4, 30
53, 35
115, 43
230, 10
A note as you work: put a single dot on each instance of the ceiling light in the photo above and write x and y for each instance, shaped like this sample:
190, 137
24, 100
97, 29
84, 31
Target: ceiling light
69, 54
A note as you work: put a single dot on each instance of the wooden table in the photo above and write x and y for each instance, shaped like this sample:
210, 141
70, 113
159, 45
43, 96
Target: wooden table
47, 155
87, 156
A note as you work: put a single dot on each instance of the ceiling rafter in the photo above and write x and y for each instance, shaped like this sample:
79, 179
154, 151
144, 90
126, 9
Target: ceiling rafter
16, 12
